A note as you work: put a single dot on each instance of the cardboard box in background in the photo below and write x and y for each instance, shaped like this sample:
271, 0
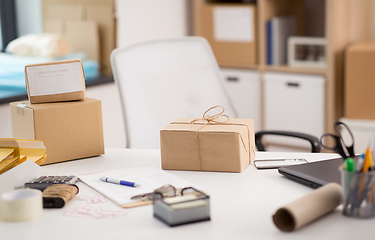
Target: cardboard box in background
199, 146
55, 81
359, 89
231, 31
69, 130
89, 25
82, 36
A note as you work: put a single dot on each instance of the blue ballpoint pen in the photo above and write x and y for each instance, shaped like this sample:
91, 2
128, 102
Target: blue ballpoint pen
119, 181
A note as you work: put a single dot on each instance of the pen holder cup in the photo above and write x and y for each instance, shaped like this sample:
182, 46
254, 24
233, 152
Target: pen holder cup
358, 193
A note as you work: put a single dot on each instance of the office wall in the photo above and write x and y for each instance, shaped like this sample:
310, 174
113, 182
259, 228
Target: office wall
143, 20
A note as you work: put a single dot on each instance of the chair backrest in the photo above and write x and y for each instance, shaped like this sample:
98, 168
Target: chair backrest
314, 142
163, 80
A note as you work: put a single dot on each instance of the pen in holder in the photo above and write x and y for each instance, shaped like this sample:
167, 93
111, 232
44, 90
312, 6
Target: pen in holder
191, 206
358, 193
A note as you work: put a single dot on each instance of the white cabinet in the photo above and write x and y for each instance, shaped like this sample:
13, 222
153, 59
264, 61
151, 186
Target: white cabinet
243, 87
294, 102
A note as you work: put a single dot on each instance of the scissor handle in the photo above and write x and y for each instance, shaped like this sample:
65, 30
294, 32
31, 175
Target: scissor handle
349, 147
337, 147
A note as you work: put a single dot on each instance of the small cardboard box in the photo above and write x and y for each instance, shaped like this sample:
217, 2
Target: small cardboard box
360, 81
55, 81
231, 31
199, 146
69, 130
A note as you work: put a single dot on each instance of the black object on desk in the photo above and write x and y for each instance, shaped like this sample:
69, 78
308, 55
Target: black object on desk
43, 182
315, 144
315, 174
56, 195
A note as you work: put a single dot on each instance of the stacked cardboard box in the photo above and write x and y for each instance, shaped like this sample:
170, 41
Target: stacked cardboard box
58, 113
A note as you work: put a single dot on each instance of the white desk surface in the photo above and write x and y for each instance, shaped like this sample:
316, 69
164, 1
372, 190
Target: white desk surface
242, 205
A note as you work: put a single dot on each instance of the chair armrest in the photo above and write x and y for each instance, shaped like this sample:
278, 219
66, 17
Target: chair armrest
315, 144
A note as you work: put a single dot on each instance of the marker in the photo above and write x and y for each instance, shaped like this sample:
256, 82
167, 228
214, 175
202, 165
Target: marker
367, 161
118, 181
350, 165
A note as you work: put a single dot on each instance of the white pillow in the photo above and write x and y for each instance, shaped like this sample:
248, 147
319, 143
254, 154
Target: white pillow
39, 45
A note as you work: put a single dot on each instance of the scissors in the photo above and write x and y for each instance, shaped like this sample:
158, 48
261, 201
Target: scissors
339, 145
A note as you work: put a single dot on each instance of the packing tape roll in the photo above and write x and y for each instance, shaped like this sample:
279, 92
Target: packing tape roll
21, 205
309, 208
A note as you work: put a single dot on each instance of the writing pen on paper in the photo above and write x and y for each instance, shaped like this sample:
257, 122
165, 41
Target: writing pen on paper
119, 181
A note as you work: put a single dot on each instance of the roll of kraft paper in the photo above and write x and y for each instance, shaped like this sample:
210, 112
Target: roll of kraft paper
309, 208
21, 205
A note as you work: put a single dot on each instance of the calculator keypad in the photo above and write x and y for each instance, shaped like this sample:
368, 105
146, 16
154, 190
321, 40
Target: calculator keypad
43, 182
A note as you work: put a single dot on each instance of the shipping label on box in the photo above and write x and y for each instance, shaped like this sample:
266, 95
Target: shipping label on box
200, 145
69, 130
55, 81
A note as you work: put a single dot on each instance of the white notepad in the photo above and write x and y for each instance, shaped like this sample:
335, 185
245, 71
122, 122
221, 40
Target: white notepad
148, 177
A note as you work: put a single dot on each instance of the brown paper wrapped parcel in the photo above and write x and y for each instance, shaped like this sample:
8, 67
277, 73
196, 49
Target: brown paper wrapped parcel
206, 145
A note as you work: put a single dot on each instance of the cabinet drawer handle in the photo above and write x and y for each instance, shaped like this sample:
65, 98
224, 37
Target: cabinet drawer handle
292, 84
232, 79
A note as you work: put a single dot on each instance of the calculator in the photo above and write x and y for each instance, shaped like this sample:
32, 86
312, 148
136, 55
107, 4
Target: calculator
43, 182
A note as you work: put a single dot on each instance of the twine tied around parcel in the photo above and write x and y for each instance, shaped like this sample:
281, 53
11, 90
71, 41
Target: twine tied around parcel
212, 118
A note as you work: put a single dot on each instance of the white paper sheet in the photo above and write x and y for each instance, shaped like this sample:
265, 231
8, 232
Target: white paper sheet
55, 79
233, 24
148, 177
19, 175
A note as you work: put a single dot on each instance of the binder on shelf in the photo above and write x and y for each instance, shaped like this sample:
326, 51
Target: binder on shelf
269, 42
279, 29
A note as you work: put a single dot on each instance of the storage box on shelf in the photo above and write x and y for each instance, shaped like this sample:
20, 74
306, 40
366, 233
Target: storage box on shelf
359, 81
231, 31
89, 25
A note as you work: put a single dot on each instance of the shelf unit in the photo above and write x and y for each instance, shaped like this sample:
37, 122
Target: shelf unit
340, 21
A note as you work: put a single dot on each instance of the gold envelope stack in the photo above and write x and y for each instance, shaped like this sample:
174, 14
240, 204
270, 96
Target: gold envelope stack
204, 145
16, 151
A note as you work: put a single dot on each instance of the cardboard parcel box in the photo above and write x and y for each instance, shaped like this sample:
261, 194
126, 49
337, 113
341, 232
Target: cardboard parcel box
69, 130
203, 146
55, 81
360, 81
231, 31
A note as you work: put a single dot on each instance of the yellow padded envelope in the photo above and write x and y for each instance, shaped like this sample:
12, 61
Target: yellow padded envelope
10, 148
16, 151
33, 150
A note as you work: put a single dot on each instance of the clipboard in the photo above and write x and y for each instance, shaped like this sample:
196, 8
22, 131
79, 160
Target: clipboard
149, 177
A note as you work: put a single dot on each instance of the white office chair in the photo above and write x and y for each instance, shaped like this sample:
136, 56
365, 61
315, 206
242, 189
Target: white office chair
163, 80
